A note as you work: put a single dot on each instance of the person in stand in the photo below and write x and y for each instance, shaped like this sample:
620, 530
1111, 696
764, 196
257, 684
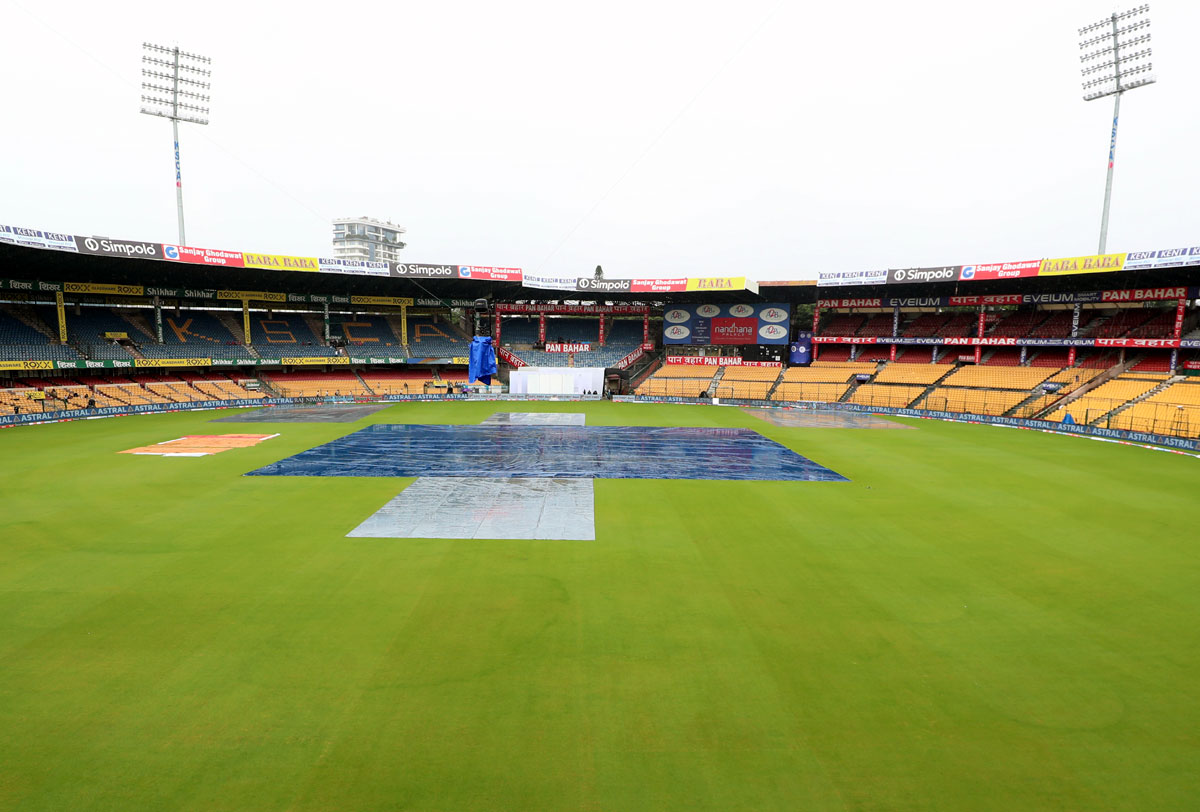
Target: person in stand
91, 402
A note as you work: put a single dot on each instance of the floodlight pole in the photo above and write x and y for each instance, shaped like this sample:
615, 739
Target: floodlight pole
175, 136
1112, 147
1114, 79
165, 102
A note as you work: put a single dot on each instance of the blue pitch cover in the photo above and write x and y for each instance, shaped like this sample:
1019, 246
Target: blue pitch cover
590, 452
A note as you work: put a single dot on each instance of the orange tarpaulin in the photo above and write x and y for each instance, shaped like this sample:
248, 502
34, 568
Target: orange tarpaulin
200, 445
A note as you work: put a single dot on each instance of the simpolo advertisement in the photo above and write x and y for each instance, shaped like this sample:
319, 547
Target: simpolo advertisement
423, 271
604, 285
103, 246
708, 324
942, 273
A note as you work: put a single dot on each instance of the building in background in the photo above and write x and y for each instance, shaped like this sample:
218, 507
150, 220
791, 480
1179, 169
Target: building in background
367, 239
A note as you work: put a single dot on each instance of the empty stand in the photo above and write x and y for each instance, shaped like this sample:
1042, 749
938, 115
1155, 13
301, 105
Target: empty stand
832, 352
878, 325
678, 380
20, 342
1004, 357
398, 381
997, 377
1108, 396
925, 325
284, 335
828, 392
301, 383
364, 332
973, 401
1174, 411
924, 374
1018, 323
843, 324
891, 396
429, 337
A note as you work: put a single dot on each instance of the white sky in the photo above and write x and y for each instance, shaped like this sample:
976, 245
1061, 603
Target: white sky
768, 138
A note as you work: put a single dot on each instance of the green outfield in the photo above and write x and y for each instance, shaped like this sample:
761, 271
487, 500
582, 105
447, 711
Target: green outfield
981, 619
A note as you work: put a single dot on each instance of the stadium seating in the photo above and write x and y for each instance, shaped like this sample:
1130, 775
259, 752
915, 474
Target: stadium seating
1055, 357
826, 373
973, 401
364, 333
302, 383
960, 324
194, 334
925, 325
831, 353
1121, 322
398, 381
1160, 325
20, 401
842, 324
744, 390
433, 338
1003, 357
1071, 378
875, 394
829, 392
1153, 362
897, 372
678, 380
285, 335
750, 383
1058, 324
1017, 324
878, 325
1102, 359
1175, 411
745, 373
997, 377
220, 387
20, 342
1110, 395
914, 355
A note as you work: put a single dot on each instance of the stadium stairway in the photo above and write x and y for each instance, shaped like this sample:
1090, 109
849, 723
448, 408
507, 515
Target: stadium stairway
1015, 411
652, 361
951, 368
363, 382
712, 387
853, 387
27, 316
771, 392
1103, 377
234, 325
393, 323
316, 323
1104, 418
138, 323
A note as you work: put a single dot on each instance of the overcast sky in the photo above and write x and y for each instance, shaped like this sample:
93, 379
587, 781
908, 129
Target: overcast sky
768, 138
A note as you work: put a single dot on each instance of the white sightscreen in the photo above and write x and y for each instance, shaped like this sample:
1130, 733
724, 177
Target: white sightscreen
555, 380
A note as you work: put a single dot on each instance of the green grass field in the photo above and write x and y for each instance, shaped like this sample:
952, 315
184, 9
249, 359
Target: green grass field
982, 619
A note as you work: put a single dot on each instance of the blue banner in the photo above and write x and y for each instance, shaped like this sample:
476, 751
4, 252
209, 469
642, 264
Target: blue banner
728, 324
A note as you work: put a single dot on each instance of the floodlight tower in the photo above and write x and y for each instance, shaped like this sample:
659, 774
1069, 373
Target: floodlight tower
1126, 65
175, 86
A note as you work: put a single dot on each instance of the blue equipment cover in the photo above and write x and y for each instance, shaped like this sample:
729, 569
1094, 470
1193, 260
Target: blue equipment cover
482, 361
601, 452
